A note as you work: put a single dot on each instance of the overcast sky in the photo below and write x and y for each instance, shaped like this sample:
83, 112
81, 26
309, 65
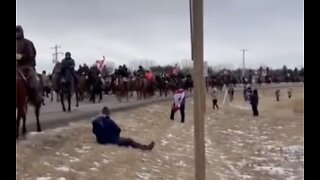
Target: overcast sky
124, 30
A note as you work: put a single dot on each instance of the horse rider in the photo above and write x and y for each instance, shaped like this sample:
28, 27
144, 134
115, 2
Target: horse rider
26, 62
141, 71
68, 64
125, 71
85, 68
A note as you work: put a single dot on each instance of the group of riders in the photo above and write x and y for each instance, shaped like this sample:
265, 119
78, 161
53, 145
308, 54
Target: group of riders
26, 63
26, 55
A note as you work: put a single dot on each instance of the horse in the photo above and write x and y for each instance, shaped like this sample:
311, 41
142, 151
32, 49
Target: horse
22, 104
54, 81
95, 84
142, 88
82, 86
66, 87
188, 84
162, 85
121, 88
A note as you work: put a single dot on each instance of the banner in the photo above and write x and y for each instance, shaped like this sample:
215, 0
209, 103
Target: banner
100, 64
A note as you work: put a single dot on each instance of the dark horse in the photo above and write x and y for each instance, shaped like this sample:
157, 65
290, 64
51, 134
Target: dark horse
95, 84
54, 81
22, 103
162, 85
66, 87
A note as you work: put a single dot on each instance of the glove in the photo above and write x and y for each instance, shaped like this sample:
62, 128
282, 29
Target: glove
18, 56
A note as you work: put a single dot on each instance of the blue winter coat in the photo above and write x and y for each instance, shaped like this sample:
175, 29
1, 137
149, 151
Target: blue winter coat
105, 130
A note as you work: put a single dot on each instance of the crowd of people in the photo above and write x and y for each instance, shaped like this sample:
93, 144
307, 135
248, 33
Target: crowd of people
104, 128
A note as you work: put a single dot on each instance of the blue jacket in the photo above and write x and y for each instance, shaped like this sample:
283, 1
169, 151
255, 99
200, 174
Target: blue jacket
105, 130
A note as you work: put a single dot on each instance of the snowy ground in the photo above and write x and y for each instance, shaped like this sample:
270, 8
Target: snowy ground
238, 146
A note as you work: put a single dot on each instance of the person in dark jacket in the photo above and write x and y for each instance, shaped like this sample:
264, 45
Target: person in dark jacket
254, 101
68, 64
26, 63
108, 132
140, 71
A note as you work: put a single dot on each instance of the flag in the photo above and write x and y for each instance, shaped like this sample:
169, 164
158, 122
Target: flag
178, 99
100, 64
175, 69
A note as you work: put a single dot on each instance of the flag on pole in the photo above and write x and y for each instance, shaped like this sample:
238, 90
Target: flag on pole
175, 69
100, 64
178, 99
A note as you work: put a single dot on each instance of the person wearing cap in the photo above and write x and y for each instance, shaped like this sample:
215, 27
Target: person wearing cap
108, 132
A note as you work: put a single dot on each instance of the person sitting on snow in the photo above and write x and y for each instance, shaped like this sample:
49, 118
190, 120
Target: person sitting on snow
108, 132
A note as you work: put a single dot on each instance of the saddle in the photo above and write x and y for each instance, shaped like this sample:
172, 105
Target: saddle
24, 74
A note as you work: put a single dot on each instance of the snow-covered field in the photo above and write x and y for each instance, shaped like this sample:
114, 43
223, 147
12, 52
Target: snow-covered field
238, 145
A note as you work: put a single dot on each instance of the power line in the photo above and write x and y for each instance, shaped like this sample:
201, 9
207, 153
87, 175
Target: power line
243, 62
56, 54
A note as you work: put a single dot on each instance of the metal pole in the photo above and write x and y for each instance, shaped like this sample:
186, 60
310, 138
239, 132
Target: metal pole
199, 100
56, 53
243, 62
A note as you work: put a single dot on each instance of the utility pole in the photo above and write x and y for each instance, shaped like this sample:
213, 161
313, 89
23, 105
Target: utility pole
196, 26
243, 62
56, 54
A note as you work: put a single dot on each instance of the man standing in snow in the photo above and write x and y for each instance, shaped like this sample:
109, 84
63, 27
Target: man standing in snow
214, 99
179, 101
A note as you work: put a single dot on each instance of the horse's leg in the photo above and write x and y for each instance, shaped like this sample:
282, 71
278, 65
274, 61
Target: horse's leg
62, 102
24, 118
19, 116
51, 93
37, 113
94, 95
77, 98
58, 94
100, 95
127, 94
69, 101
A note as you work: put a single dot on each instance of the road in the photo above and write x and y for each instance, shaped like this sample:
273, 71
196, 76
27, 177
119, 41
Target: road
52, 116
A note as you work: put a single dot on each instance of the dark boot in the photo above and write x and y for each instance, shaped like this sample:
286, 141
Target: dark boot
148, 147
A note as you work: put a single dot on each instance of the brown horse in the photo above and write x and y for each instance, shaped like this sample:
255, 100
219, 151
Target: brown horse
121, 88
22, 104
139, 87
82, 86
54, 80
144, 88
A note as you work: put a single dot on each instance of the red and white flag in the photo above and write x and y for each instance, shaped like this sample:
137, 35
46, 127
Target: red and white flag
100, 64
179, 99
